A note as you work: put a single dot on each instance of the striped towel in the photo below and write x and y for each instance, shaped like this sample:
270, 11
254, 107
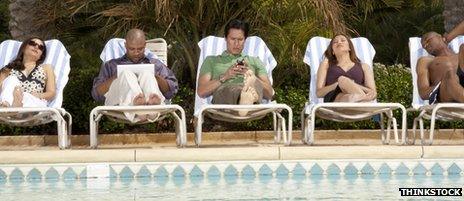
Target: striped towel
116, 48
212, 45
415, 52
314, 55
57, 56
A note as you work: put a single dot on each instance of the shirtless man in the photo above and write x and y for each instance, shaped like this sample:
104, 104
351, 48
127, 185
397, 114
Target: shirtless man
440, 76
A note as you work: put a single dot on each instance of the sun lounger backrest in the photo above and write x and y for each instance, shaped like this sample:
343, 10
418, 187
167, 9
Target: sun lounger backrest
314, 55
415, 52
57, 56
159, 47
116, 48
212, 45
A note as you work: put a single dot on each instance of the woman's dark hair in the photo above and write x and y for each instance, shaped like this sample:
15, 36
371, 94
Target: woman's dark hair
331, 56
17, 63
236, 24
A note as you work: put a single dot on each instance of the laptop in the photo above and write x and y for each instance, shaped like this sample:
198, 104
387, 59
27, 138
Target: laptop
136, 68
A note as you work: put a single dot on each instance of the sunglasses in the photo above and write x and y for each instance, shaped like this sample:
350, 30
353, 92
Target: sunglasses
33, 43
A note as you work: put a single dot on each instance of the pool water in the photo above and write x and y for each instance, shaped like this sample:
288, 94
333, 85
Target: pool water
244, 187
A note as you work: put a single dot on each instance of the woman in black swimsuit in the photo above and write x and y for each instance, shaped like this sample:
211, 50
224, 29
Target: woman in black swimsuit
341, 77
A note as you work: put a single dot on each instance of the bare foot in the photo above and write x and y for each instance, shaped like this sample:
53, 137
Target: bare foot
247, 97
17, 97
153, 99
249, 80
139, 100
4, 104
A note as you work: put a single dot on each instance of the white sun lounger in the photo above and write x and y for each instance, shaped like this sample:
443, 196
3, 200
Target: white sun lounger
115, 48
351, 111
59, 58
440, 111
254, 46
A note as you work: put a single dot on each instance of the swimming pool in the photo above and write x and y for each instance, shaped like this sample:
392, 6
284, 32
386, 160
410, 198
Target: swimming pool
229, 180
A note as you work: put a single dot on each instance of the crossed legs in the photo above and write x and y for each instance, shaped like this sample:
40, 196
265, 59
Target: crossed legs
351, 92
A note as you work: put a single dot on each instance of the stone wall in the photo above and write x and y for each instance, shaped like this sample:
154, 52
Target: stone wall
453, 13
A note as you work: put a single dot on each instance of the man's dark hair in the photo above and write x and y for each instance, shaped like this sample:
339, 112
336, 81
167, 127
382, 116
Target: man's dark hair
236, 24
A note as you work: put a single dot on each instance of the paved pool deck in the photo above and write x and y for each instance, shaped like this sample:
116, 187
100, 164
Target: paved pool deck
225, 146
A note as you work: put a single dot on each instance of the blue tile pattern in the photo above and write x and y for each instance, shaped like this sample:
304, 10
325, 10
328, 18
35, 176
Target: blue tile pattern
248, 170
316, 170
196, 172
385, 169
419, 169
265, 170
143, 172
367, 169
52, 174
454, 169
230, 171
350, 169
299, 170
34, 174
69, 174
437, 169
213, 171
161, 172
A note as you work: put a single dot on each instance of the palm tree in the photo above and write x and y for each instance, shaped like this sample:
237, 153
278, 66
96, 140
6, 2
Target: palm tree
22, 23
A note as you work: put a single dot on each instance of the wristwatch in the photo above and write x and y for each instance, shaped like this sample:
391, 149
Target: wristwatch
222, 79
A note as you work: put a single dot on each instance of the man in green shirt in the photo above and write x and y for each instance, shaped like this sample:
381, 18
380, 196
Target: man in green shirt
234, 78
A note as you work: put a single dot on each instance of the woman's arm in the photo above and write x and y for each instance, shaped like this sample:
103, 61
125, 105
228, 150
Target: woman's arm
50, 85
3, 74
321, 88
369, 83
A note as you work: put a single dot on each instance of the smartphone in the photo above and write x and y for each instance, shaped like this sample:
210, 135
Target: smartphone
240, 62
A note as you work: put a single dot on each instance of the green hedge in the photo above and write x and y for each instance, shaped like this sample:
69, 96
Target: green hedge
393, 85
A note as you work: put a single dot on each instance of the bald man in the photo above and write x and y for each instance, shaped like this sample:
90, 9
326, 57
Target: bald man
129, 88
440, 77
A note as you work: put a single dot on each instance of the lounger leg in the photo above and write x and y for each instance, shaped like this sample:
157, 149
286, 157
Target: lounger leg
395, 129
69, 128
284, 132
389, 124
178, 129
61, 133
421, 125
414, 127
94, 118
282, 125
312, 125
184, 127
290, 126
278, 137
432, 126
404, 126
303, 126
308, 131
382, 128
274, 124
198, 129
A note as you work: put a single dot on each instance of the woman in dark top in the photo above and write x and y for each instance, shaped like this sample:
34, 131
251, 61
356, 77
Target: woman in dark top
341, 77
